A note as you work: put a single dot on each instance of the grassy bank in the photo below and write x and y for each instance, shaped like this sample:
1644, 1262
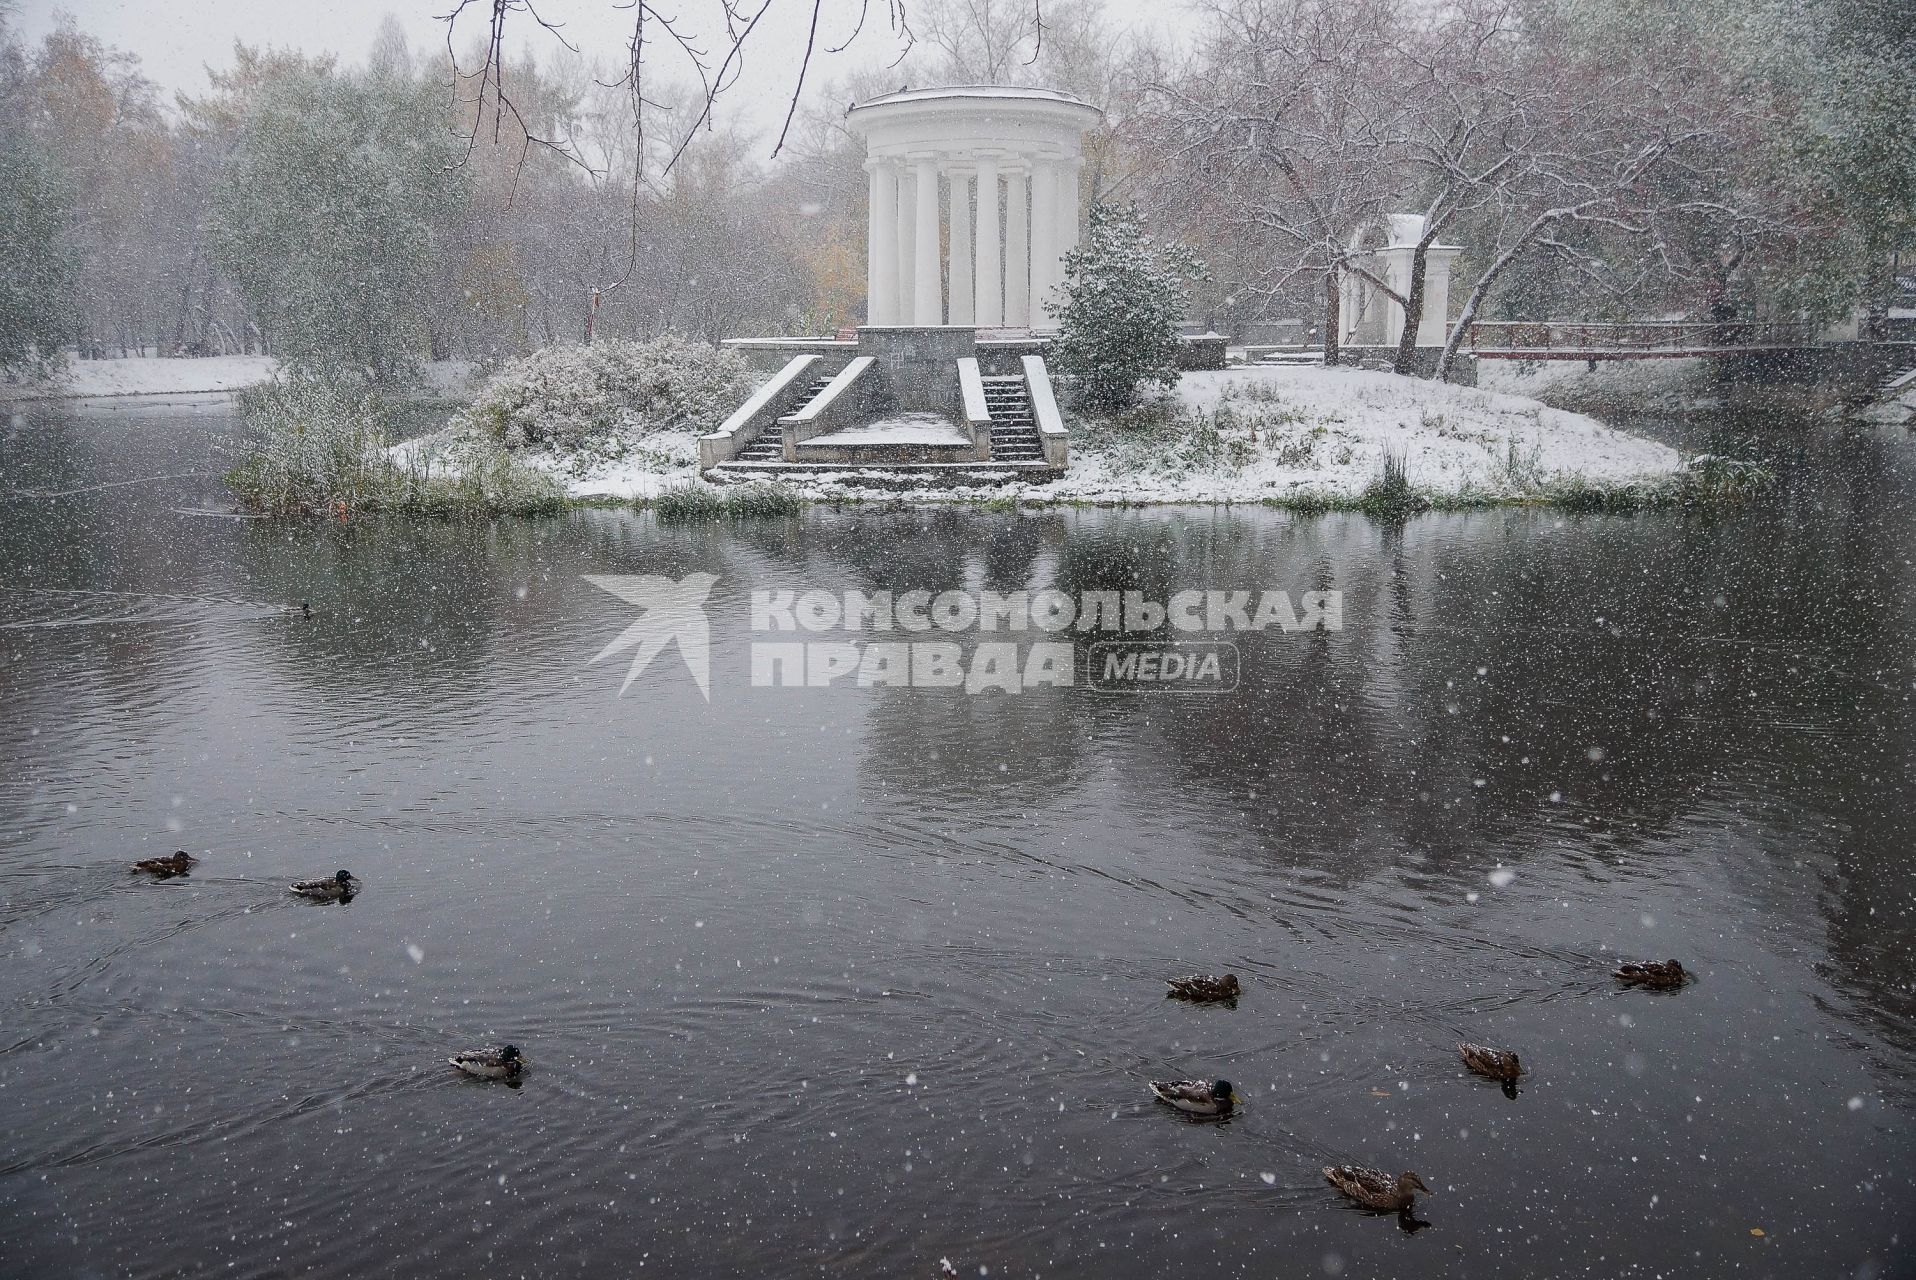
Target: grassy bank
694, 503
314, 448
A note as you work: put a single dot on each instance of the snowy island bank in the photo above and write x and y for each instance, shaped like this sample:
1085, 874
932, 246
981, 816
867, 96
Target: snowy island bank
1284, 436
147, 376
161, 376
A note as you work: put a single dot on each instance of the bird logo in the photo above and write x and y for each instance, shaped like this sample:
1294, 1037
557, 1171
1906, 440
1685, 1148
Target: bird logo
669, 610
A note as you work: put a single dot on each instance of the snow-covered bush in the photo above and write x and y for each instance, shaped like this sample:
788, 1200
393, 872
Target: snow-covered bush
1124, 295
608, 396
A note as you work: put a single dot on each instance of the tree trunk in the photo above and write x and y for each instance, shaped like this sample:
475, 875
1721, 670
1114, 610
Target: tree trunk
1406, 361
1488, 278
1332, 318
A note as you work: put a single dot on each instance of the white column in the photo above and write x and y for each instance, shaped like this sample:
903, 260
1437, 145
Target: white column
1017, 252
1067, 208
990, 300
1044, 240
928, 299
1435, 327
907, 222
960, 274
881, 246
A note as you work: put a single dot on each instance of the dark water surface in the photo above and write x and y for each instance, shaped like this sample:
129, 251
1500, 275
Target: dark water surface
844, 981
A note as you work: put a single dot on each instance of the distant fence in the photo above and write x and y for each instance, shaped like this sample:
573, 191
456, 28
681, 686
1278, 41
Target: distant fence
1572, 340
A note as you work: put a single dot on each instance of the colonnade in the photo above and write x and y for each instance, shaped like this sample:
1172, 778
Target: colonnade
993, 262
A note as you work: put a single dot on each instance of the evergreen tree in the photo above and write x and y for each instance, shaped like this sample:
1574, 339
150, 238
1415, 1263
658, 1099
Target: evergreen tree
1124, 296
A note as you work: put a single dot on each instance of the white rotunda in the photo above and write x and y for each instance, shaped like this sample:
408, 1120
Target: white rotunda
974, 202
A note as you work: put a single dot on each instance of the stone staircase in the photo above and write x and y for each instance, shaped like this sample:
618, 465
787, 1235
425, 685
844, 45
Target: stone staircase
1016, 446
1014, 432
769, 444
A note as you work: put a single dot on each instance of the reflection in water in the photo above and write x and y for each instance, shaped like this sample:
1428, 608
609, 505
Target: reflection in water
848, 980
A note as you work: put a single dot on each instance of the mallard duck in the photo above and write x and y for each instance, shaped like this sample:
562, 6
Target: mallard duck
1217, 1098
342, 885
502, 1062
173, 864
1376, 1190
1498, 1064
1203, 987
1659, 974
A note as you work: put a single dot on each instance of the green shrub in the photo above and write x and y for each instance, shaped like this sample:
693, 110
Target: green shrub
1123, 298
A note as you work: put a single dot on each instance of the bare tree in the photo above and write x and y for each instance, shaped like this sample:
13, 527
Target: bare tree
1284, 134
1301, 122
1626, 157
705, 48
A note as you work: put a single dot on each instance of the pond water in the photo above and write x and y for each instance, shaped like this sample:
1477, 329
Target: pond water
846, 981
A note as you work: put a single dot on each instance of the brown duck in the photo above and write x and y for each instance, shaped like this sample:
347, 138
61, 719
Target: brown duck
1498, 1064
1660, 975
1375, 1190
173, 864
1204, 988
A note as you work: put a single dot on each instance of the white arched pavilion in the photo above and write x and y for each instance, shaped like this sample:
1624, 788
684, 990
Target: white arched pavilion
1004, 162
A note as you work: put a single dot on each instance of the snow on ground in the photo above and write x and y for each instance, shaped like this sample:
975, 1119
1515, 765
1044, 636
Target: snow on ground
1251, 435
906, 428
1326, 431
1678, 382
193, 375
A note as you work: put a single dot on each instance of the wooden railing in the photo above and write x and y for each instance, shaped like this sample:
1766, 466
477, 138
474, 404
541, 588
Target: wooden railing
1634, 335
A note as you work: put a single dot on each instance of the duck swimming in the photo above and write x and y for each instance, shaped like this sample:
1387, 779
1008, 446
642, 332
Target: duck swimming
1498, 1064
334, 889
1204, 988
1216, 1098
1659, 975
503, 1062
173, 864
1375, 1190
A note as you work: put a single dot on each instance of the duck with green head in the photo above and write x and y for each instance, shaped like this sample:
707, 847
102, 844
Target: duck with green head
502, 1062
335, 888
1198, 1097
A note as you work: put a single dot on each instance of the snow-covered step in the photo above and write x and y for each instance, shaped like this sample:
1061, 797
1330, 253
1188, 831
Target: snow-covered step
1014, 435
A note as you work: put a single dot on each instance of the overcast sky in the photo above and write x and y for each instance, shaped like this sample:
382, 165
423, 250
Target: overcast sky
176, 39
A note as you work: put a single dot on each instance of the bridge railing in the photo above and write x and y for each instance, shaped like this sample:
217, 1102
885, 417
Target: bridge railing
1634, 335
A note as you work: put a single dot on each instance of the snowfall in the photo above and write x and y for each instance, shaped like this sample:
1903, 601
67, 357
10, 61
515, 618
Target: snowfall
1281, 434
